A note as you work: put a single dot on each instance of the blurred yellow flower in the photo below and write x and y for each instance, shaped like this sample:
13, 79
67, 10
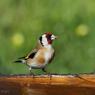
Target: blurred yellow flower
17, 39
82, 30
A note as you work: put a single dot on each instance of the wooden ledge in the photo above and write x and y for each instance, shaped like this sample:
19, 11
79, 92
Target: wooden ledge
47, 84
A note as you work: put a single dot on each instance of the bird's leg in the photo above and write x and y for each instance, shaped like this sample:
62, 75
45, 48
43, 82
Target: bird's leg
44, 70
31, 73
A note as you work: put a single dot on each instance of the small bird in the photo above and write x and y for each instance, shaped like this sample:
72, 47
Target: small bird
43, 54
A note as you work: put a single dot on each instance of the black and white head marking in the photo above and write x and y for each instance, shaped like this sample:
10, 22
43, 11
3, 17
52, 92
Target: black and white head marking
40, 39
46, 39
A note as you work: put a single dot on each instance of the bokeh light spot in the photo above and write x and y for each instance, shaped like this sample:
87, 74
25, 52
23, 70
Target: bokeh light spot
17, 39
82, 30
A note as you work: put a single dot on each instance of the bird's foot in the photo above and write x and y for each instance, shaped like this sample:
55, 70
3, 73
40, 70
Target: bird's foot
48, 74
31, 73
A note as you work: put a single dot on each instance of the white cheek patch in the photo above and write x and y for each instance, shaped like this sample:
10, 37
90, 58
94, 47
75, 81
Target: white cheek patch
44, 40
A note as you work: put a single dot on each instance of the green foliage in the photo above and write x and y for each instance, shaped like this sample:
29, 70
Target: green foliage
23, 21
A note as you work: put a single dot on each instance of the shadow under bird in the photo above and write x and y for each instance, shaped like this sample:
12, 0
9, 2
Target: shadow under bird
43, 54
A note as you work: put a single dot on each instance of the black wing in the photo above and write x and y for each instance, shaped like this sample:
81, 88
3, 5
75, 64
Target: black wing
32, 54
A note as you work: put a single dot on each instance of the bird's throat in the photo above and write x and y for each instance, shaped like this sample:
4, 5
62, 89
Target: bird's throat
50, 42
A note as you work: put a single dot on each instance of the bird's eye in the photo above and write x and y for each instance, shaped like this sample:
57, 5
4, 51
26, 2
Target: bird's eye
48, 37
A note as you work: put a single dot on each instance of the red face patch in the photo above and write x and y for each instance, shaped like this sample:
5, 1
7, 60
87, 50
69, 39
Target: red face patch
49, 41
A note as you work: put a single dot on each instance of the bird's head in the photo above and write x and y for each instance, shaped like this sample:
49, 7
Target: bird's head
47, 38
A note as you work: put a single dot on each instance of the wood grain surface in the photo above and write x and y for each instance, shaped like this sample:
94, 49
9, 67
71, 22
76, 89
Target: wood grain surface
82, 84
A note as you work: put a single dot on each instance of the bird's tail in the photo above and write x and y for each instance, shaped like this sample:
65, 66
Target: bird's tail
23, 61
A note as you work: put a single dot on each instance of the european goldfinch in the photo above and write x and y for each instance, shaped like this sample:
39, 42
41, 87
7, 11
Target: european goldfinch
42, 54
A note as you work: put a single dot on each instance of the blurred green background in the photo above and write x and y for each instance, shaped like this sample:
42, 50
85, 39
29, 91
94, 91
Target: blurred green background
23, 21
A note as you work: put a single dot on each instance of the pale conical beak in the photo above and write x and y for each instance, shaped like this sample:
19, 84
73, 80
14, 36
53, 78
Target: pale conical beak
53, 37
56, 37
